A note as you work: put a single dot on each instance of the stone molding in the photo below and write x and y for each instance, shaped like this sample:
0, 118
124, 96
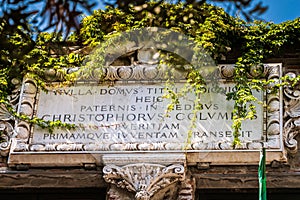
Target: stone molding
141, 72
26, 105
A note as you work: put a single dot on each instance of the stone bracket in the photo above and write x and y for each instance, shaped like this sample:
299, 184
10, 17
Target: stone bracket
144, 176
144, 179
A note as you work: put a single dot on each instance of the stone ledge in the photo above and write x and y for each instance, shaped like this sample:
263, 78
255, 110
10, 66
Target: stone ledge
51, 179
79, 178
247, 181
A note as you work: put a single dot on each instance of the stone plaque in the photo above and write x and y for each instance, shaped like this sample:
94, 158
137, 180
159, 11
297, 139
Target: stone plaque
127, 113
136, 113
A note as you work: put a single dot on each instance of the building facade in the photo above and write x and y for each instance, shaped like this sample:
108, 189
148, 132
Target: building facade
114, 163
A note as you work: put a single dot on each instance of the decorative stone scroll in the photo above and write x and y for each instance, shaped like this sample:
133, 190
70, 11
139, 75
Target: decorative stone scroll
7, 121
270, 138
6, 130
143, 179
291, 116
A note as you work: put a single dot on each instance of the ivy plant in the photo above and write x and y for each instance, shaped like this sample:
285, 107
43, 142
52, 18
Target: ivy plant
221, 35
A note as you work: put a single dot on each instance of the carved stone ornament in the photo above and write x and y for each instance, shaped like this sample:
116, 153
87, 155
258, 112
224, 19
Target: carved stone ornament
291, 116
6, 130
271, 137
7, 121
141, 72
143, 179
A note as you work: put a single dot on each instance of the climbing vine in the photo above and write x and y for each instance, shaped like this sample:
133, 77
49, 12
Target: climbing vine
46, 57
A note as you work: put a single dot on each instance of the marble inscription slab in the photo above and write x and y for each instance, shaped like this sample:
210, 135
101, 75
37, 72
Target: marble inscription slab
136, 113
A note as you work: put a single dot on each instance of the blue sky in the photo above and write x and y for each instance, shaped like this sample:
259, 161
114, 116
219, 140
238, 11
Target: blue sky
281, 10
278, 10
